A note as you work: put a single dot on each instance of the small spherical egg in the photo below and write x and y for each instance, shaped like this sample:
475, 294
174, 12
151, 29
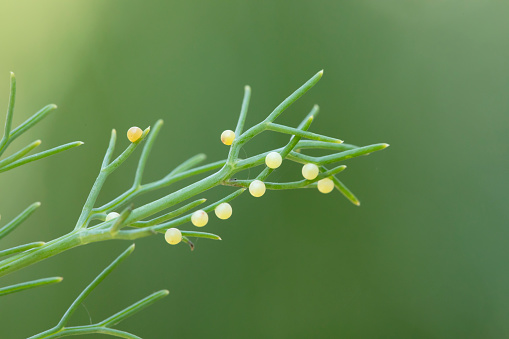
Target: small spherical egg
325, 185
223, 210
134, 133
200, 218
112, 215
273, 160
257, 188
310, 171
173, 236
227, 137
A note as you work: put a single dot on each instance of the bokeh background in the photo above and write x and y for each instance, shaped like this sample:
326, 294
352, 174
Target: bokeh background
425, 256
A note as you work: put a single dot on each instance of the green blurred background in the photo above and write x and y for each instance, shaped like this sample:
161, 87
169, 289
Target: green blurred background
425, 256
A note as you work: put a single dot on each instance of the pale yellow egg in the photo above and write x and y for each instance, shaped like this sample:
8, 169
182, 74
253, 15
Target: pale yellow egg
173, 236
200, 218
227, 137
325, 185
310, 171
257, 188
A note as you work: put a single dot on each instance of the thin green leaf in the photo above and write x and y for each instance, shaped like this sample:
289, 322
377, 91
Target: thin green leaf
146, 152
189, 163
294, 96
21, 248
303, 134
25, 150
41, 155
313, 144
243, 111
10, 112
345, 191
18, 220
111, 148
134, 308
32, 121
29, 284
193, 234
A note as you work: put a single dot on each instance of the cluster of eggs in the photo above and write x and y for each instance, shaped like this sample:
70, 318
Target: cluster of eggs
257, 188
274, 160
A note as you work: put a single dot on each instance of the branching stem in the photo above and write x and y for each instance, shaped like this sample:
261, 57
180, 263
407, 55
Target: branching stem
133, 222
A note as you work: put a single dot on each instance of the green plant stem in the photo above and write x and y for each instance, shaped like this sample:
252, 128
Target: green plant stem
89, 329
132, 193
106, 169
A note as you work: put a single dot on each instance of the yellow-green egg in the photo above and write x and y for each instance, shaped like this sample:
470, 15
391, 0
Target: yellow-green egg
173, 236
257, 188
134, 133
273, 160
223, 211
310, 171
200, 218
325, 185
227, 137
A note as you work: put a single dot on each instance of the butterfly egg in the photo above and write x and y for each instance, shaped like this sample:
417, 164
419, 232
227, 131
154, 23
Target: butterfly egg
112, 215
273, 160
257, 188
173, 236
200, 218
223, 211
227, 137
310, 171
325, 185
134, 133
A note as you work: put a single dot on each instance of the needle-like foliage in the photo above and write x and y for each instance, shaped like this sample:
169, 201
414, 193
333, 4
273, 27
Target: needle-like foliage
172, 210
104, 327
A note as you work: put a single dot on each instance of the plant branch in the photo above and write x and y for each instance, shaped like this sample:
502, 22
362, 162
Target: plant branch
136, 223
104, 326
